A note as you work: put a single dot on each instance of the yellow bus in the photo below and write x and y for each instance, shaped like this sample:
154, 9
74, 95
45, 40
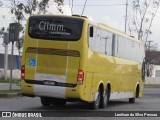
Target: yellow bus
70, 58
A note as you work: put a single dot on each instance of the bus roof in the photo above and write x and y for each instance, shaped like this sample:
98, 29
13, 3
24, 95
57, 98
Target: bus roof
118, 32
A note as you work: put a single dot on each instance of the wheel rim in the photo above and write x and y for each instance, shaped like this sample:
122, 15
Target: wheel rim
98, 99
105, 97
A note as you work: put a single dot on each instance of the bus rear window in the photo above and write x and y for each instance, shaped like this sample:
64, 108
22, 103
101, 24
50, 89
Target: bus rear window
55, 28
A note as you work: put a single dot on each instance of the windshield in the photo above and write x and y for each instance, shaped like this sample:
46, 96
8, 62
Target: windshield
55, 28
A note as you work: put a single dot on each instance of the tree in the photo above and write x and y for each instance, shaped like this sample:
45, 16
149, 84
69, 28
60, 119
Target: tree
30, 6
59, 5
22, 10
42, 6
143, 15
153, 59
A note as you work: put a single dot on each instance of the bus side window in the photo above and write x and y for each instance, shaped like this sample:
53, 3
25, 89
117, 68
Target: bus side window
91, 31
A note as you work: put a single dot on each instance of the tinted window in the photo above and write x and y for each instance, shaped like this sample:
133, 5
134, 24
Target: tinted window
101, 42
55, 28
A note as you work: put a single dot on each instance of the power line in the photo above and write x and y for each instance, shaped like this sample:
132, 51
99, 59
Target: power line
84, 7
92, 5
126, 15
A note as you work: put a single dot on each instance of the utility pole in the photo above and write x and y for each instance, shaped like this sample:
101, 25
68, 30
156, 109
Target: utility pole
6, 62
10, 87
126, 15
6, 41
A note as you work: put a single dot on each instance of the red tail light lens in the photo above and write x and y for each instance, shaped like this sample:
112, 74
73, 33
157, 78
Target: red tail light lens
22, 71
80, 77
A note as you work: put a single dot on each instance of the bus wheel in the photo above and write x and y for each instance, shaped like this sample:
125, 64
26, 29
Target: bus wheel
59, 102
104, 98
133, 100
45, 101
95, 104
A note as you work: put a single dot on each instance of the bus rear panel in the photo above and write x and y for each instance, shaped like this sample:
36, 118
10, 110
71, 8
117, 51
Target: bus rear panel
52, 62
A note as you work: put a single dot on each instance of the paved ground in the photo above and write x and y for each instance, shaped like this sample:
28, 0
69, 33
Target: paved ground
149, 102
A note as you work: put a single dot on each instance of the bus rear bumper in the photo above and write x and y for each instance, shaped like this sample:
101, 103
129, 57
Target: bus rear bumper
40, 90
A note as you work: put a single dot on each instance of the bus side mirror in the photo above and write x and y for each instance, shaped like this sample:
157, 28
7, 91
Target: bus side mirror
91, 31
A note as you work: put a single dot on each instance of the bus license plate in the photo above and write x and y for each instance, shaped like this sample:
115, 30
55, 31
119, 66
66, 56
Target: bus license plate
47, 82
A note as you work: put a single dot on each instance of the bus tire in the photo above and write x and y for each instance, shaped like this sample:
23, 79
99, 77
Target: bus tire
133, 100
95, 104
104, 98
45, 101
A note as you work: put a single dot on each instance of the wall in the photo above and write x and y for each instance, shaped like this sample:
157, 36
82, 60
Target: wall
156, 67
16, 74
16, 61
152, 81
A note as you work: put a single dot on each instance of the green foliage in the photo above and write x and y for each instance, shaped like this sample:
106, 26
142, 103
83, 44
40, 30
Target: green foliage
151, 86
2, 80
20, 6
144, 12
8, 91
20, 9
17, 11
30, 7
59, 3
42, 6
44, 3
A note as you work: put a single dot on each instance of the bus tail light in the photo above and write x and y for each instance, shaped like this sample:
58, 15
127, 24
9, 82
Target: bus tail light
80, 77
22, 71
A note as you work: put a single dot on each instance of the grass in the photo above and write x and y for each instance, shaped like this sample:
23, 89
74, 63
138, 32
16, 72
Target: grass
2, 80
9, 91
152, 86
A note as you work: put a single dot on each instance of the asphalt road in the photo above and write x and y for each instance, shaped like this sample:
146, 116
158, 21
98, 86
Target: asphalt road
149, 102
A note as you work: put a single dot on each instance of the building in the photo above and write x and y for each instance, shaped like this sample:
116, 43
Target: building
153, 57
16, 62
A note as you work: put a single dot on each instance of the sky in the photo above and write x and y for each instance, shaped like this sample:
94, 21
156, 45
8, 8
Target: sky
110, 12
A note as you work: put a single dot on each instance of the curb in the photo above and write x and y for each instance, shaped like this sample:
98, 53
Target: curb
10, 95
